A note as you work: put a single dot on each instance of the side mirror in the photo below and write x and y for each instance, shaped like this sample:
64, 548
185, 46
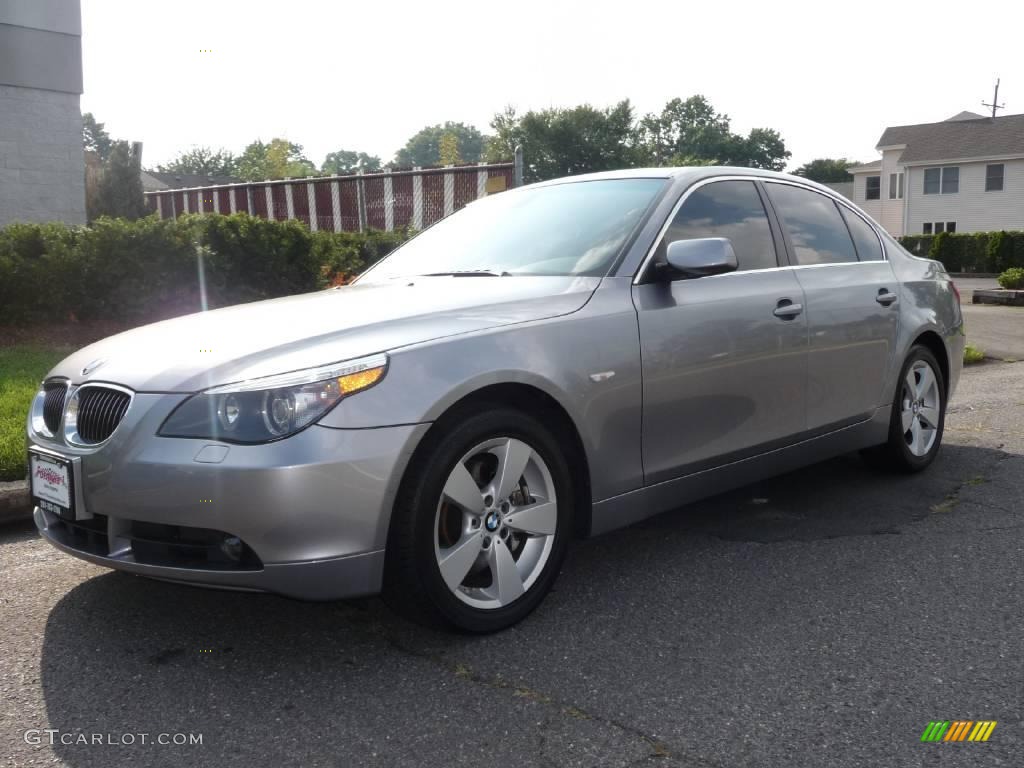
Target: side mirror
701, 257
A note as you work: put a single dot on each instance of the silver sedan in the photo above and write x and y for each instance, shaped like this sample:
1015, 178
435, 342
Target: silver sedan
554, 361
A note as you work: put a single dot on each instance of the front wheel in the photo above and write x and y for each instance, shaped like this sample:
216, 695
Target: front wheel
481, 525
918, 416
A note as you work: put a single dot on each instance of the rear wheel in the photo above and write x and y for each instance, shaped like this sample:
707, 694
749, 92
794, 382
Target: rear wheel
481, 525
918, 416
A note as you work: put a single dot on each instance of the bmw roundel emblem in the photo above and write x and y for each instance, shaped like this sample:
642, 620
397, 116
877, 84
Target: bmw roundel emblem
492, 521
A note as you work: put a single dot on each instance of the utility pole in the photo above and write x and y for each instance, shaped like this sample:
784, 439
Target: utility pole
995, 101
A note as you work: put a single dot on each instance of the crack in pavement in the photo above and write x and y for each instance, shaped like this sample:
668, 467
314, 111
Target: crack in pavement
659, 748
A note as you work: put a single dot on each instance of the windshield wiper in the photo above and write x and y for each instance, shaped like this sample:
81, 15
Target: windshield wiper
468, 273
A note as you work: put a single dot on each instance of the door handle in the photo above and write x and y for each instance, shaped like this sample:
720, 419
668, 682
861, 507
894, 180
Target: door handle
885, 297
787, 310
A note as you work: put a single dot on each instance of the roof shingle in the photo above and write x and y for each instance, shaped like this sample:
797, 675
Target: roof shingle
958, 139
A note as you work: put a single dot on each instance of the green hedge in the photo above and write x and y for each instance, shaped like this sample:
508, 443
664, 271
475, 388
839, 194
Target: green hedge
991, 252
138, 271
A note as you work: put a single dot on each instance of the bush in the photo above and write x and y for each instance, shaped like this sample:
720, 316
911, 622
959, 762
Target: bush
1000, 251
139, 271
942, 249
989, 252
973, 355
1012, 278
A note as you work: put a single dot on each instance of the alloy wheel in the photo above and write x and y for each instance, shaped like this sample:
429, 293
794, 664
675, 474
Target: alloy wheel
920, 408
495, 523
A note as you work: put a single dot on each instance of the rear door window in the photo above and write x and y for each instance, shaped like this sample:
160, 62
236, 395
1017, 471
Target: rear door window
864, 237
814, 225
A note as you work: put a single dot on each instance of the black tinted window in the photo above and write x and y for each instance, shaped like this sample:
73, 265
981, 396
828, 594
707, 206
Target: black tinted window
815, 227
864, 237
731, 209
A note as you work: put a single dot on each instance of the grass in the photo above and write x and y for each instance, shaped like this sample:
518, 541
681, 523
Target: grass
22, 367
973, 355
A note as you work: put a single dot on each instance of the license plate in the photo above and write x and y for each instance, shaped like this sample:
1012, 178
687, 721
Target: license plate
53, 484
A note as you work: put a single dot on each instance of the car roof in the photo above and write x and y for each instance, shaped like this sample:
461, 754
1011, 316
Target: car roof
685, 175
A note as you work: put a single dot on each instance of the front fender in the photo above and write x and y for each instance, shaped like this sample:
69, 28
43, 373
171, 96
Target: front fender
588, 362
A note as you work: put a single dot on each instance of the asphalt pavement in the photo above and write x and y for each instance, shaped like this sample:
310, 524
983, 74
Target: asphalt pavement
997, 331
823, 618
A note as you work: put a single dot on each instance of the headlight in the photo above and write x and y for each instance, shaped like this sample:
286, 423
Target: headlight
261, 410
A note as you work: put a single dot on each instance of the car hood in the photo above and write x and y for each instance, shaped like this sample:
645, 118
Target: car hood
263, 338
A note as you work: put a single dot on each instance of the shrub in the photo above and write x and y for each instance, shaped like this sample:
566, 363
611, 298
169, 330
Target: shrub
1000, 251
139, 271
942, 249
970, 252
1012, 278
919, 245
973, 355
38, 271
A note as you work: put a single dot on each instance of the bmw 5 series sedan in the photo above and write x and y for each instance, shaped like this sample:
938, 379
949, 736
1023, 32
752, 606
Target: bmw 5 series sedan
556, 361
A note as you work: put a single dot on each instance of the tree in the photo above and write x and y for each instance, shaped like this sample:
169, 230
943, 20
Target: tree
692, 128
204, 161
277, 160
826, 169
559, 141
502, 145
762, 148
424, 148
118, 190
346, 161
448, 150
94, 137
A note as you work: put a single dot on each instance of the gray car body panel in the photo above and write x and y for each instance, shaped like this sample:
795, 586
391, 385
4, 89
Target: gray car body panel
247, 341
603, 349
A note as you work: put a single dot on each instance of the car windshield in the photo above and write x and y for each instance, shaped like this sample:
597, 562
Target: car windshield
575, 228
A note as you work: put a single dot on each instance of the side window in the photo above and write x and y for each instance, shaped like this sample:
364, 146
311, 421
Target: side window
864, 237
731, 209
814, 225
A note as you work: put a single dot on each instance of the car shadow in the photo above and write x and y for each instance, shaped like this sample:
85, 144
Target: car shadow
270, 680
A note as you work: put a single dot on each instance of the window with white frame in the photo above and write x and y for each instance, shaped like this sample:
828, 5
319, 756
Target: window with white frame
935, 227
873, 188
896, 186
926, 228
994, 177
944, 180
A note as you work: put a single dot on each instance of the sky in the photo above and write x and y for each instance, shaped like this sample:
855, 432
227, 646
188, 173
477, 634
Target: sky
367, 75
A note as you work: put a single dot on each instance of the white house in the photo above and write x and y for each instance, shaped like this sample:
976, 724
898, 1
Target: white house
964, 174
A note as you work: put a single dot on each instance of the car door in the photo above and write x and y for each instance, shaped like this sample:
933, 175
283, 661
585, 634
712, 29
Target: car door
852, 299
723, 356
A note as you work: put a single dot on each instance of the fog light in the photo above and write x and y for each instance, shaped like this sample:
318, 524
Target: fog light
232, 548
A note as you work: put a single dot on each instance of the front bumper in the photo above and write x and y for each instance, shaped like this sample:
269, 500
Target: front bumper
311, 512
330, 579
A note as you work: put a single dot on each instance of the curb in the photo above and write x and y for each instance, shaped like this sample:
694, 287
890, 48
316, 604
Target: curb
14, 501
998, 296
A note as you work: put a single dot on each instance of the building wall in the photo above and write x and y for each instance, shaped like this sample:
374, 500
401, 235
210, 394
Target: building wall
872, 208
972, 208
41, 159
891, 216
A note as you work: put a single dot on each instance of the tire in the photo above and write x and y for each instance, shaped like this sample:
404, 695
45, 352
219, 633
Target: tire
477, 499
918, 417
